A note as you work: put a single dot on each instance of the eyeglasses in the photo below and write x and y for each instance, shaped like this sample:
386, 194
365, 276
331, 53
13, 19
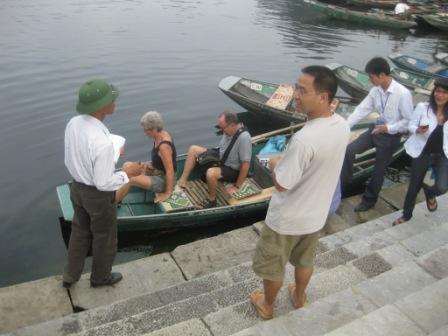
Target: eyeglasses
300, 91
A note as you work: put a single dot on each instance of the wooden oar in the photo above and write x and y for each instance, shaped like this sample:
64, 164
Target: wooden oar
260, 137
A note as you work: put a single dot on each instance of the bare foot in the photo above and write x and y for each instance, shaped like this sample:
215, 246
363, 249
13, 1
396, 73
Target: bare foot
294, 298
257, 299
181, 184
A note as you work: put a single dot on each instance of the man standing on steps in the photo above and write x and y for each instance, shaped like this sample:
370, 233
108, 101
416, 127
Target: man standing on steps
305, 179
394, 104
89, 157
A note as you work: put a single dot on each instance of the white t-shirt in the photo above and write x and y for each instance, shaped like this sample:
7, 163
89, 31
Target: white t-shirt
310, 170
401, 8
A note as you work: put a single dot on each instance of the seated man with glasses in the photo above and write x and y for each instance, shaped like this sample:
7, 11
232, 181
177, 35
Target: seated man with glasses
233, 169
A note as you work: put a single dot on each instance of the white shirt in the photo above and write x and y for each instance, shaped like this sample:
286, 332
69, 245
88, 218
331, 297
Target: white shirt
401, 8
309, 170
89, 154
416, 143
394, 105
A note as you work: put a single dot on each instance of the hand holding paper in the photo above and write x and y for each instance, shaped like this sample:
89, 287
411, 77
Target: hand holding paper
118, 142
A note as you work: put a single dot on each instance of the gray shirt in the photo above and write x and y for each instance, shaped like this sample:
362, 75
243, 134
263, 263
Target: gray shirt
241, 150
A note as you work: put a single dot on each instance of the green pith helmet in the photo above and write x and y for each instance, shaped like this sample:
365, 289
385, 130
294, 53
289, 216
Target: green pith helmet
94, 95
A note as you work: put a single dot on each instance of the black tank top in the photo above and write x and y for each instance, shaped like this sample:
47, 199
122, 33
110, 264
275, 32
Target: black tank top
157, 162
434, 145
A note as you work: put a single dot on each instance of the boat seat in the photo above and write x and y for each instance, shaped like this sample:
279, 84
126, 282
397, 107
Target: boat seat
249, 93
197, 191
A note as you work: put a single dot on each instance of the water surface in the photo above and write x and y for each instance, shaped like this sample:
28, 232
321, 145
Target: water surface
164, 55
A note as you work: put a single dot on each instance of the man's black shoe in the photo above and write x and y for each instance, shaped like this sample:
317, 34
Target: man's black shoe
66, 284
361, 207
111, 280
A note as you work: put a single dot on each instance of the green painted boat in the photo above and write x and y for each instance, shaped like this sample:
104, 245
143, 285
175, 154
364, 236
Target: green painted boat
427, 68
357, 83
270, 99
382, 4
439, 21
442, 57
382, 19
138, 212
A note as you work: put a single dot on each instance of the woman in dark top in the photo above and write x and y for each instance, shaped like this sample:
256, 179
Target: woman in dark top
158, 174
428, 146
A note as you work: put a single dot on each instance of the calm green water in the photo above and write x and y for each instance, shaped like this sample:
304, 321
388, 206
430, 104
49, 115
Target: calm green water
165, 55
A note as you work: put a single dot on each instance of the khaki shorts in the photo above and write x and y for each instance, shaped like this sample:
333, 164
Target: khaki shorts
274, 250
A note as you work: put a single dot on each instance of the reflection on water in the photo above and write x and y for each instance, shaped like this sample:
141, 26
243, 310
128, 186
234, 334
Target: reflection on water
165, 55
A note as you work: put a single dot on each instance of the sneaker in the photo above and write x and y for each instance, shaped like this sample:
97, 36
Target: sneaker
361, 207
111, 280
207, 203
66, 284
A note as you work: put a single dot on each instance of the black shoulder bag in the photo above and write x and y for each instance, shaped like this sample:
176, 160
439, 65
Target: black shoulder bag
210, 157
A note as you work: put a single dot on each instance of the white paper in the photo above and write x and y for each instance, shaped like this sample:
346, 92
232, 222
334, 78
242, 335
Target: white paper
118, 141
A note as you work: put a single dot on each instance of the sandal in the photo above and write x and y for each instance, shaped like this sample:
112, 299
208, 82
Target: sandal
431, 202
399, 221
291, 290
255, 298
207, 204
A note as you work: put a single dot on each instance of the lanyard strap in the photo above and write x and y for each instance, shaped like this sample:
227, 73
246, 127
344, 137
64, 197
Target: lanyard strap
383, 106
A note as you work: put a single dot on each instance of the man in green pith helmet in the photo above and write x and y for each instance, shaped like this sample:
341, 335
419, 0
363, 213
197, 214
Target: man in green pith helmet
89, 157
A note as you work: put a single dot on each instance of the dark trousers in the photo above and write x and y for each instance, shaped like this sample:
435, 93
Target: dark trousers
94, 224
419, 168
386, 145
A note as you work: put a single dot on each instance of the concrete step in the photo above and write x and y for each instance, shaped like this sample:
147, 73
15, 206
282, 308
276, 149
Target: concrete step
347, 253
398, 293
377, 292
443, 331
241, 280
193, 327
49, 301
221, 305
140, 276
421, 313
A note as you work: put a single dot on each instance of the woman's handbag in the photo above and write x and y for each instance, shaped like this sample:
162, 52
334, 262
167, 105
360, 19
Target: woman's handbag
209, 157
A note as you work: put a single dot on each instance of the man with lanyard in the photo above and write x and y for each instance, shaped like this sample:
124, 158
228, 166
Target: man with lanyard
89, 157
394, 104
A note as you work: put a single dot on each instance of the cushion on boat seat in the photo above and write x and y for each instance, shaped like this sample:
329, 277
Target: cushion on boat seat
248, 188
178, 201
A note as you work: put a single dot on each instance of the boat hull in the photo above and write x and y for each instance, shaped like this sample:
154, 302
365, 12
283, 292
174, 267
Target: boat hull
341, 13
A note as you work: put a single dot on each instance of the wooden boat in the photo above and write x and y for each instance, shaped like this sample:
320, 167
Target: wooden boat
419, 66
381, 4
138, 212
357, 83
271, 100
442, 57
378, 18
439, 21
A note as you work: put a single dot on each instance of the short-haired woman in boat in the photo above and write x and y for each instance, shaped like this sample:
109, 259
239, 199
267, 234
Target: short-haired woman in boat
428, 147
159, 174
